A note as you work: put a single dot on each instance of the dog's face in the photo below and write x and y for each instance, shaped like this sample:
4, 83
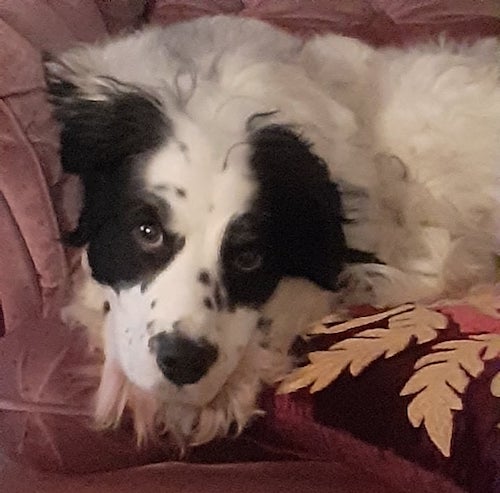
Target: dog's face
191, 224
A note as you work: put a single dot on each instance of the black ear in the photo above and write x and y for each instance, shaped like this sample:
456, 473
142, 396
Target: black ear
104, 122
301, 206
106, 125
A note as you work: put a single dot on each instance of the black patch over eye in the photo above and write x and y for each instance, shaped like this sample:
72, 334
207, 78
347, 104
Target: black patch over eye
293, 227
131, 247
247, 268
300, 205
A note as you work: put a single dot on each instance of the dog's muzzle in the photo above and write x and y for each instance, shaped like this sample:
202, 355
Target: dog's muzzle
183, 361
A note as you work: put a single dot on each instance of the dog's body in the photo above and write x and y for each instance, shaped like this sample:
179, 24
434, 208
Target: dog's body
240, 182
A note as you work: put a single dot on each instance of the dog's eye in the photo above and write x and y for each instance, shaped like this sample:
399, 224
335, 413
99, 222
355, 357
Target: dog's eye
149, 236
248, 261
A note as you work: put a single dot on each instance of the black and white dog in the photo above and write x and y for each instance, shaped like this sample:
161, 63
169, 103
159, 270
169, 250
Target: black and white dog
239, 182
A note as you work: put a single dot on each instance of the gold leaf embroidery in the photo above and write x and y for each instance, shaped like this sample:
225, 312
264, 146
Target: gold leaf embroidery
440, 380
495, 385
323, 327
323, 369
493, 347
495, 388
421, 321
359, 351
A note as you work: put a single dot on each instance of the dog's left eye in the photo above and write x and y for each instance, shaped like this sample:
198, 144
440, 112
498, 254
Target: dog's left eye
149, 236
248, 261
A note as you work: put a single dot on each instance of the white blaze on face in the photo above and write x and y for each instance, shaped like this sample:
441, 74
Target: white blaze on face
126, 337
202, 197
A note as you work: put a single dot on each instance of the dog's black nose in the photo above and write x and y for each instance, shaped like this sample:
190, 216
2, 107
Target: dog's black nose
183, 361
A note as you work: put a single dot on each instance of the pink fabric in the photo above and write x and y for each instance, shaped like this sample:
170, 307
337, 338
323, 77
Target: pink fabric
122, 15
47, 376
263, 477
376, 21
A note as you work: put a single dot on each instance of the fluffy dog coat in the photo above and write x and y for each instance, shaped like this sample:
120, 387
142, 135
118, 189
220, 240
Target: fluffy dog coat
239, 182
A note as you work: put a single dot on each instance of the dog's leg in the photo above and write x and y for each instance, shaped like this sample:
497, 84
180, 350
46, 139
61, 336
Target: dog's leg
382, 285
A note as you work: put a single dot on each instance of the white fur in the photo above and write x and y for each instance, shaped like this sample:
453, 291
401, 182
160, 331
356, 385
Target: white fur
436, 107
412, 136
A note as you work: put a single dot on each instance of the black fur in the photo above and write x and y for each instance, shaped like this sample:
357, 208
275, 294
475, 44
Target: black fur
100, 135
295, 221
115, 257
103, 142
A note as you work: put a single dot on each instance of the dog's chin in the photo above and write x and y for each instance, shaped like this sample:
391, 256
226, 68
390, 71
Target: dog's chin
189, 416
236, 403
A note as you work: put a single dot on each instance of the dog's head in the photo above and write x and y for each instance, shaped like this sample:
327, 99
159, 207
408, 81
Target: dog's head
191, 222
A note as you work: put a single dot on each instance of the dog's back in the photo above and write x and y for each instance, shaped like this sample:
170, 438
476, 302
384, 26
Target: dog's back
432, 116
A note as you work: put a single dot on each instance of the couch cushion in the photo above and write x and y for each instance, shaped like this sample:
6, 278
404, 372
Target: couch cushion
376, 21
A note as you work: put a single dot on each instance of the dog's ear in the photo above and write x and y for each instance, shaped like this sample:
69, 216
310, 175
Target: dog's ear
300, 206
104, 122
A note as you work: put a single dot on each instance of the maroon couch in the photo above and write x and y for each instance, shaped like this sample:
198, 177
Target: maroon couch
48, 374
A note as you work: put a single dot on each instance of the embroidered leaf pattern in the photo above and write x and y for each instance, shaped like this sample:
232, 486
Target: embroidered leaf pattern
421, 322
331, 325
323, 369
357, 352
441, 378
495, 388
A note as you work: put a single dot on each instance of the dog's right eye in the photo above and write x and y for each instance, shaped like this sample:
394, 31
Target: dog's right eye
149, 236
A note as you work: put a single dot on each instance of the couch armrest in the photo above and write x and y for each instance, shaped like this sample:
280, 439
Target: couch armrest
32, 260
36, 199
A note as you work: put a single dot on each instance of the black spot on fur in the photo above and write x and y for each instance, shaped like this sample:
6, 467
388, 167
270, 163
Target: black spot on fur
208, 303
295, 221
153, 303
219, 301
204, 277
264, 325
180, 192
106, 308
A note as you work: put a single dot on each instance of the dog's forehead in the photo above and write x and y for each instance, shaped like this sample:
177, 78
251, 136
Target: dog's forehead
205, 181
